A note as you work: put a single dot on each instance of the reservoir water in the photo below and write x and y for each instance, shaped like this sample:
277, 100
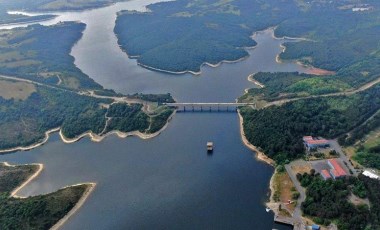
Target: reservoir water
168, 182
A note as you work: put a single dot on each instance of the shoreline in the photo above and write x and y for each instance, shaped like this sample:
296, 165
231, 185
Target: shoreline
196, 73
309, 68
273, 28
254, 81
259, 154
32, 177
193, 72
261, 157
93, 137
29, 22
77, 206
273, 205
32, 146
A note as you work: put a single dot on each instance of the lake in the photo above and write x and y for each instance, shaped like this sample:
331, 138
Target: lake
168, 182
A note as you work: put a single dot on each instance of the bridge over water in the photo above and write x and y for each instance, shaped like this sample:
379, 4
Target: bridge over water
208, 107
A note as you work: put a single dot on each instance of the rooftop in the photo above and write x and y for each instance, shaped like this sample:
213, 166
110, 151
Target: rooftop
337, 169
370, 174
317, 142
326, 173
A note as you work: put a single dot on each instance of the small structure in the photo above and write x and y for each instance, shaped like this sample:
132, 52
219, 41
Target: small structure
315, 227
361, 9
311, 142
325, 174
336, 170
370, 175
210, 146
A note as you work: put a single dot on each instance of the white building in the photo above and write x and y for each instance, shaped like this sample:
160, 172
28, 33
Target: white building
371, 175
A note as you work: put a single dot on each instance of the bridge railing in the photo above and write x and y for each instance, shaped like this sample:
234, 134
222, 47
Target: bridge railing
206, 106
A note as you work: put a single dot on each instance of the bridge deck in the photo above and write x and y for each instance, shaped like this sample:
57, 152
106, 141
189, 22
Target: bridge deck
208, 104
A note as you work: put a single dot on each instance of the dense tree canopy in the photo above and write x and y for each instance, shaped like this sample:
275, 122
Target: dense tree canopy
278, 130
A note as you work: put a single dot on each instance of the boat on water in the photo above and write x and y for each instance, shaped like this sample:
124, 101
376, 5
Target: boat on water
210, 146
267, 209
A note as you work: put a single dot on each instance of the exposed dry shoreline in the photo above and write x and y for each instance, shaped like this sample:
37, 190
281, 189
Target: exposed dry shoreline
272, 204
78, 205
22, 148
15, 191
310, 69
262, 157
193, 72
94, 137
254, 81
189, 71
259, 154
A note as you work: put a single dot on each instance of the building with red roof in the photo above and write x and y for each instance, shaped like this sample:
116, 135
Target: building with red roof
336, 170
311, 142
325, 174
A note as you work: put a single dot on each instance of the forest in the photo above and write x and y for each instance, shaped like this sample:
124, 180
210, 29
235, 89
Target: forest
42, 54
24, 122
340, 39
293, 84
368, 157
278, 130
38, 212
182, 35
12, 177
359, 132
373, 190
327, 201
127, 118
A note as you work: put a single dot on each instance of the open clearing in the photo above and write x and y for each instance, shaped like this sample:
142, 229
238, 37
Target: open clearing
16, 90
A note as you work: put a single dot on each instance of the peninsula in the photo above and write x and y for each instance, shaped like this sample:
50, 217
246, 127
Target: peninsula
37, 212
49, 94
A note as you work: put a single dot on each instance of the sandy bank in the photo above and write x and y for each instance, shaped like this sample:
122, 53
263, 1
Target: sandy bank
259, 154
81, 201
79, 204
272, 204
254, 81
286, 37
97, 138
14, 192
193, 72
21, 148
94, 137
188, 71
309, 68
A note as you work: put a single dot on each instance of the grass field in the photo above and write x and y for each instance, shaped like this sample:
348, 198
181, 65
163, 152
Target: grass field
284, 189
16, 90
365, 153
372, 139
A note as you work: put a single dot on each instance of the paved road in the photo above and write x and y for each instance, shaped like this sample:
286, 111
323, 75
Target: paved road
345, 93
297, 214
